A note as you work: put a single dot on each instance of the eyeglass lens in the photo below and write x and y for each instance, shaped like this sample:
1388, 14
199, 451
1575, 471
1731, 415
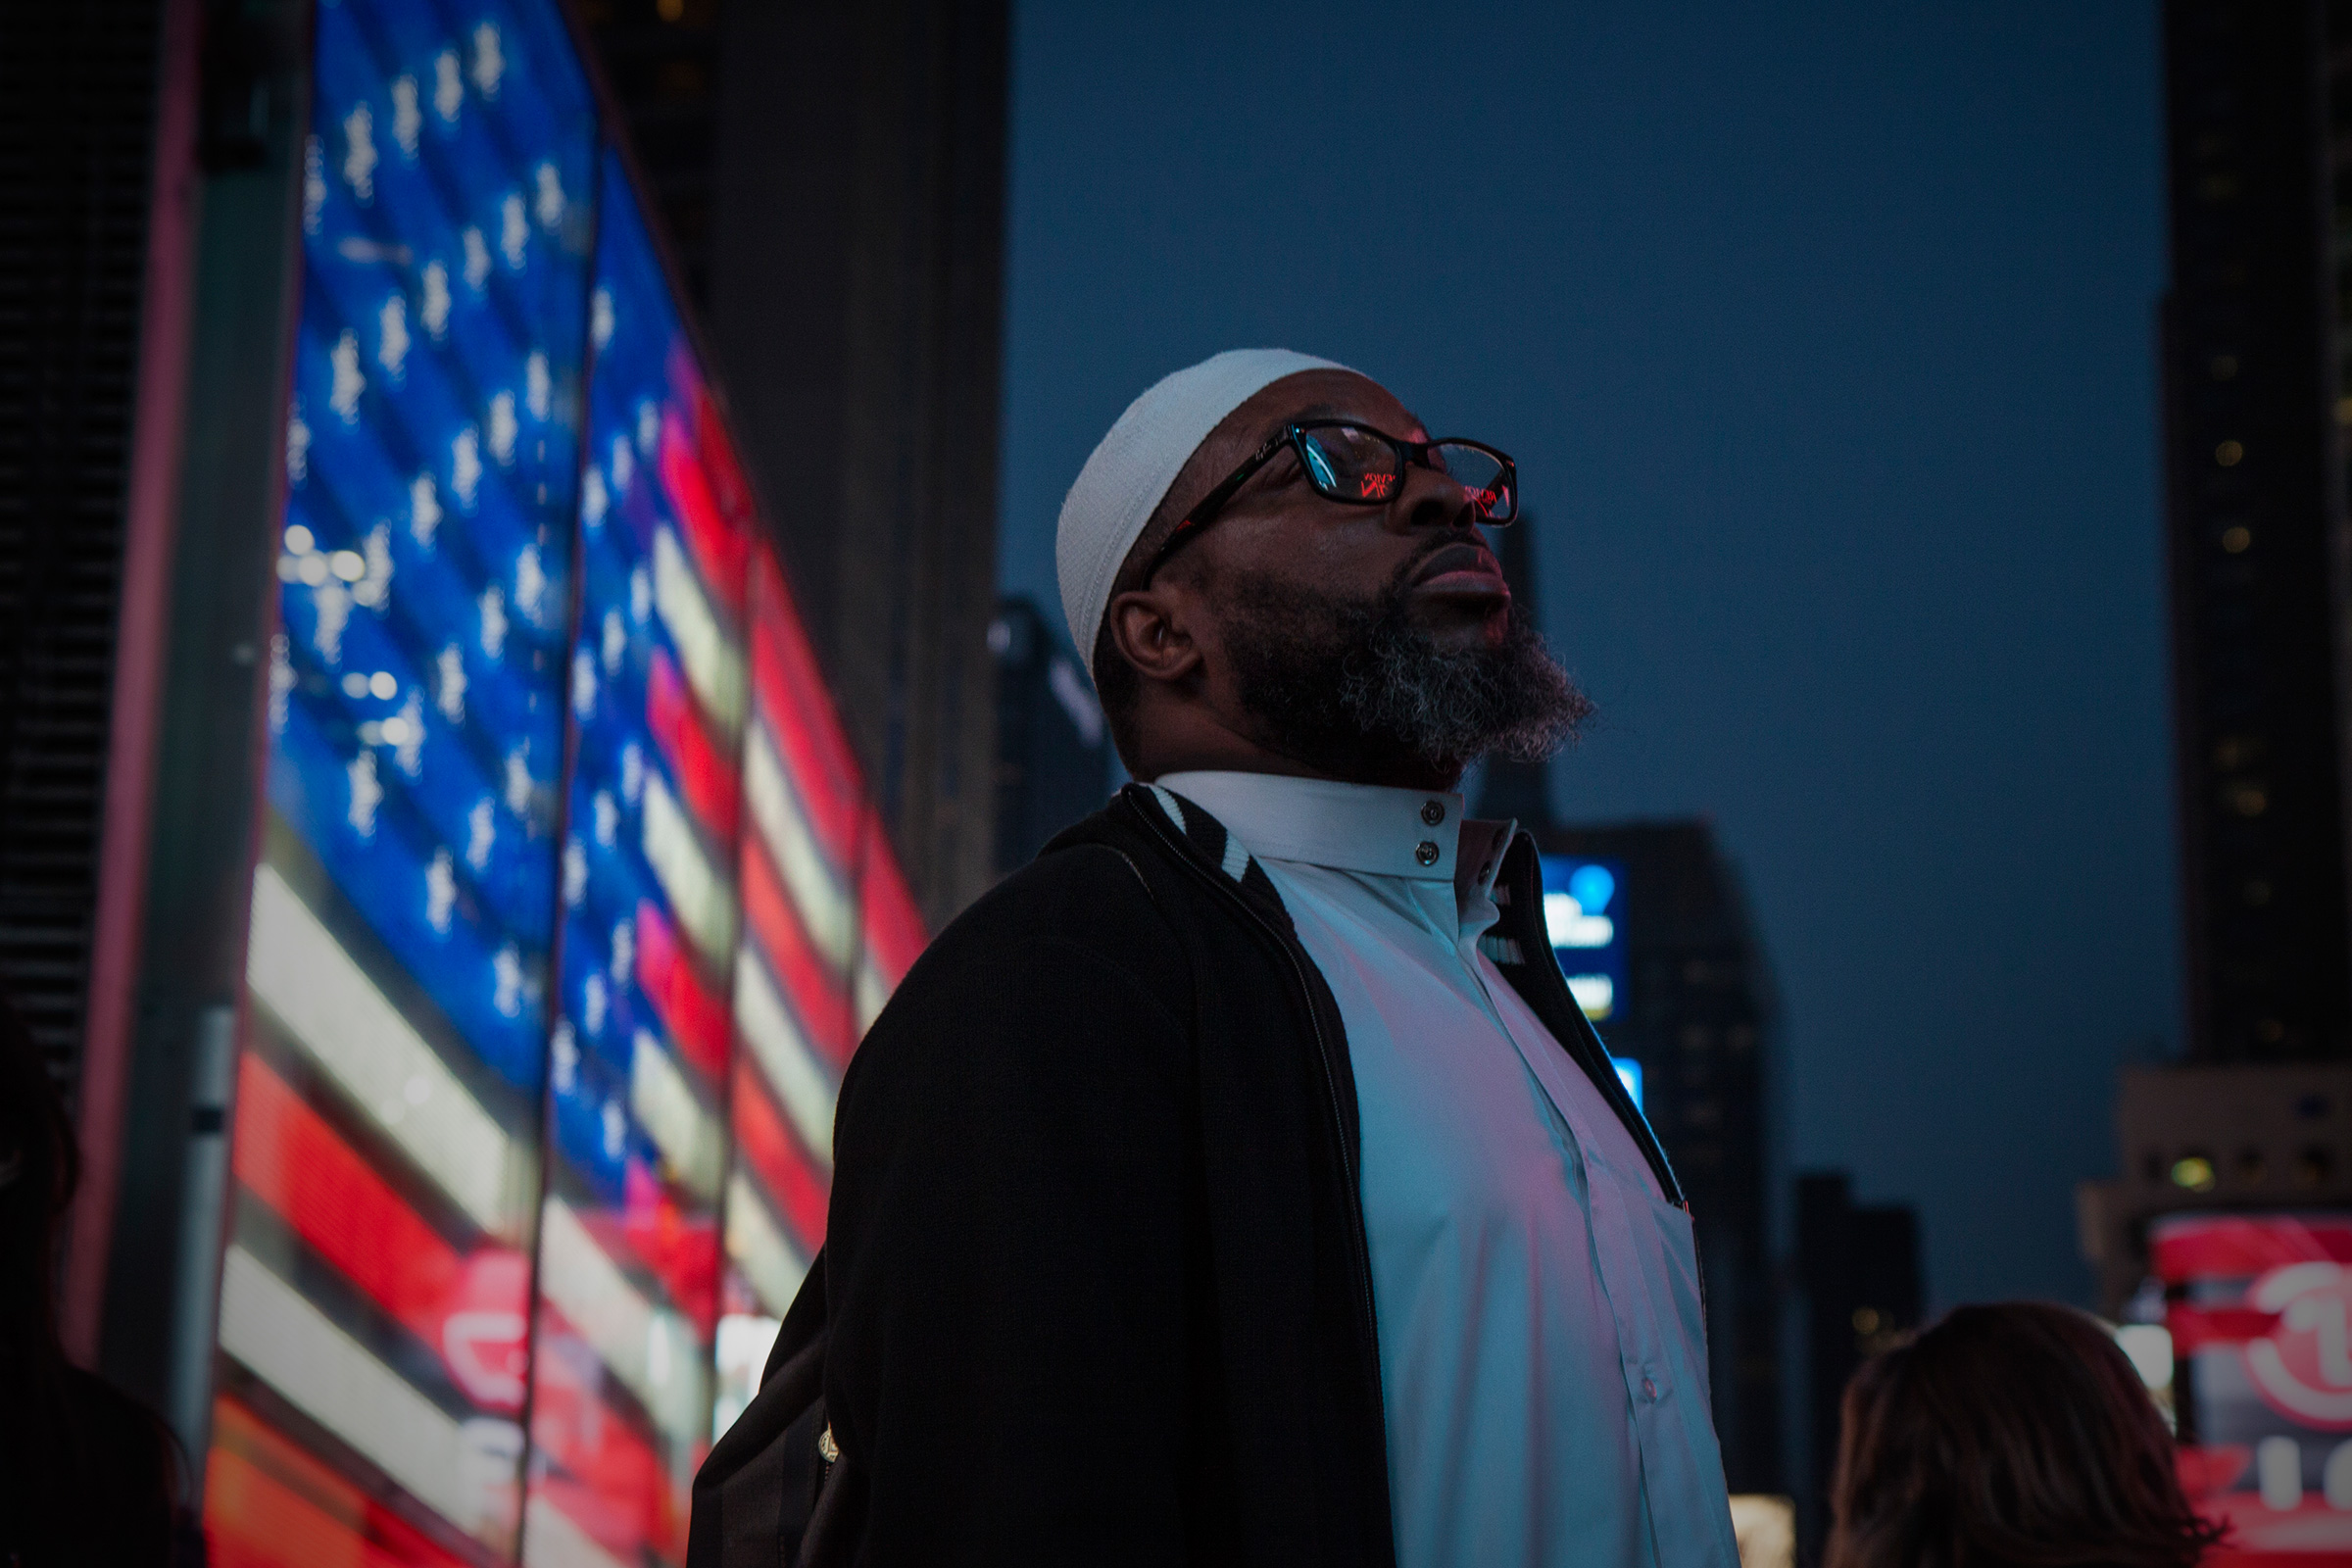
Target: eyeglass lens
1350, 463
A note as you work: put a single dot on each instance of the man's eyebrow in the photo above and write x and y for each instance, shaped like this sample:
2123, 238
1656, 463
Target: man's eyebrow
1332, 411
1307, 415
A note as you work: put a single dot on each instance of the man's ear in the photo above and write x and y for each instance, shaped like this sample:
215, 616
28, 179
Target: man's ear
1150, 628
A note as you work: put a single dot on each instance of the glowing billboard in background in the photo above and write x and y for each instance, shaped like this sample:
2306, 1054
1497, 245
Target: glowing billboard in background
1583, 911
558, 811
643, 1042
2259, 1308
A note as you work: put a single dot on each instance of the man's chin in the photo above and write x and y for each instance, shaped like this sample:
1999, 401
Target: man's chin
1433, 679
1460, 623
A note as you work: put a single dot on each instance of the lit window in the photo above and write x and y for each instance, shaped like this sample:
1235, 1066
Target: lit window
1597, 994
1571, 927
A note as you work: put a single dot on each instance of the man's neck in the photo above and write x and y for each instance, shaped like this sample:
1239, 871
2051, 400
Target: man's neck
1216, 748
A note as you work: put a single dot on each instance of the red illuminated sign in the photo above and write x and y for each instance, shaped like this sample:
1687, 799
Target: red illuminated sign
2302, 1367
2260, 1309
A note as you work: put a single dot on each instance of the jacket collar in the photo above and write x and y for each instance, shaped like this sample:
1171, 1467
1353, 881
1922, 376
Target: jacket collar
1518, 944
1209, 840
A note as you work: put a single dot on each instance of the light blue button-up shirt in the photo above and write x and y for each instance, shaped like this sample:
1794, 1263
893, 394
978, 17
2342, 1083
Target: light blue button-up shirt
1541, 1353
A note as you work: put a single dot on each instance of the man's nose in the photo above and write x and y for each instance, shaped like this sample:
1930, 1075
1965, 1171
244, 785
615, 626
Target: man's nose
1430, 500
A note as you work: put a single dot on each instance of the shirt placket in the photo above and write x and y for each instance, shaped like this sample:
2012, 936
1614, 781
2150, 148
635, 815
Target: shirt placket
1653, 1387
1647, 1378
1658, 1383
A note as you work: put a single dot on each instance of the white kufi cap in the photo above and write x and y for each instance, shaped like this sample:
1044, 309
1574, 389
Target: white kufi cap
1129, 474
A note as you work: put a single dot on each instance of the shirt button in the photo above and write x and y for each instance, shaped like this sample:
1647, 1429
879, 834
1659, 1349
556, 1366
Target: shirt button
1649, 1390
1433, 812
1427, 853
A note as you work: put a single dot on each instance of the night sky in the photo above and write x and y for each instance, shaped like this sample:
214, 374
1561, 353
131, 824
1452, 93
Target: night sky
1824, 343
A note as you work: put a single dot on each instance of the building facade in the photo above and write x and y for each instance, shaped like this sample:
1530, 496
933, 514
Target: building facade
1053, 752
2256, 401
1862, 1288
77, 162
2223, 1242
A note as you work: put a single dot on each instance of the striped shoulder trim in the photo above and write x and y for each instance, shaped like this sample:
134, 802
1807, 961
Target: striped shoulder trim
1502, 950
1217, 846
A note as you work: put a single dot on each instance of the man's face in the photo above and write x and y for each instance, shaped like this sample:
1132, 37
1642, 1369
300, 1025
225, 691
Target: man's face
1366, 642
1278, 532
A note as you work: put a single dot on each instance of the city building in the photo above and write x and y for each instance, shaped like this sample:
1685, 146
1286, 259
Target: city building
2226, 1242
483, 979
1053, 752
1861, 1286
2225, 1138
77, 165
832, 179
2255, 405
2224, 1247
1654, 933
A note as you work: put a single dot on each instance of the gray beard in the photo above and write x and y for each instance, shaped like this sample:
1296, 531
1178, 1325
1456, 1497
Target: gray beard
1350, 687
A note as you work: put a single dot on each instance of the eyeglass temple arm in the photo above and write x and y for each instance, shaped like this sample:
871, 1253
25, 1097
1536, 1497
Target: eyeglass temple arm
1207, 507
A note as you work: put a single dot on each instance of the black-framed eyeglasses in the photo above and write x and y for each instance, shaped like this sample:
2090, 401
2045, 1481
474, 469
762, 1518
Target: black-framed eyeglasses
1360, 467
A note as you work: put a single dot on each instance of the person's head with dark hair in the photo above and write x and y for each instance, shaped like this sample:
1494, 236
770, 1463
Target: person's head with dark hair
1272, 567
2008, 1434
86, 1476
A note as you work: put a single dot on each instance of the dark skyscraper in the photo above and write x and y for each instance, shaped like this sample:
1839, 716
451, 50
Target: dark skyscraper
1697, 1012
832, 179
1859, 1271
2246, 1135
77, 146
2255, 404
1052, 747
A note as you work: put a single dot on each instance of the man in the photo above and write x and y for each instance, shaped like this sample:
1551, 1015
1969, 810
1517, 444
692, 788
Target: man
1239, 1183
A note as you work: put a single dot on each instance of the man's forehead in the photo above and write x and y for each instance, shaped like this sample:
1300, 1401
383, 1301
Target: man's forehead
1332, 394
1376, 405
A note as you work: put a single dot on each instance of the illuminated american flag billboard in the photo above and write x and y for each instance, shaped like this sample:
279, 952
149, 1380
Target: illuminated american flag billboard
571, 904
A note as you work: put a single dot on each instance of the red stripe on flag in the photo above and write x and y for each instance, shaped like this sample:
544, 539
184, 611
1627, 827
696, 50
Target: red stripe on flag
601, 1474
894, 926
286, 1156
718, 545
815, 995
795, 701
700, 1021
779, 1163
707, 777
268, 1505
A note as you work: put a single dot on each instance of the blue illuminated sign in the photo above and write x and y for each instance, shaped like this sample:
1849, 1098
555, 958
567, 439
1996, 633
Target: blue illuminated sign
1629, 1073
1583, 910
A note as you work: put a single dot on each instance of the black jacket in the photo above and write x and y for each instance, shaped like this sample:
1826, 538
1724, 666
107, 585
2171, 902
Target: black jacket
1096, 1275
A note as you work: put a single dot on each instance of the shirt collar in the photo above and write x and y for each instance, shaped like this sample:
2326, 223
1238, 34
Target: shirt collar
1368, 828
